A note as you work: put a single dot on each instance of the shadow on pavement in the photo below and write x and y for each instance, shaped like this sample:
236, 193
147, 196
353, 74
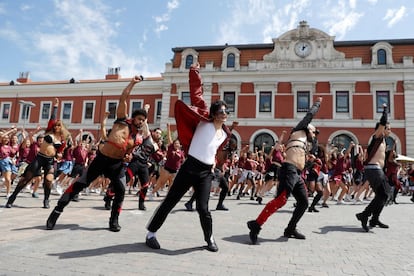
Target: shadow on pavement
122, 249
339, 228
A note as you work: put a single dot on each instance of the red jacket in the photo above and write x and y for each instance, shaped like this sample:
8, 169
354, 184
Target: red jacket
188, 117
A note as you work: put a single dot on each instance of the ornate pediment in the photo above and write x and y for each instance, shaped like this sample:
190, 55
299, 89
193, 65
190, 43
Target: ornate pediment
305, 45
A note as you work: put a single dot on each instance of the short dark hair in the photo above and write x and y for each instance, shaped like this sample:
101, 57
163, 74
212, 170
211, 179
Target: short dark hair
216, 106
139, 111
378, 124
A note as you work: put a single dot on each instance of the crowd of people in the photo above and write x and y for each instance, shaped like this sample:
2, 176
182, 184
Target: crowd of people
202, 160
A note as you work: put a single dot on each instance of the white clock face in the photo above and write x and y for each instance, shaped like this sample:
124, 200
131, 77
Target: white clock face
303, 48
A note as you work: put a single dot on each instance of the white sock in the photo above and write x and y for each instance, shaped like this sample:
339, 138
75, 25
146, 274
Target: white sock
150, 235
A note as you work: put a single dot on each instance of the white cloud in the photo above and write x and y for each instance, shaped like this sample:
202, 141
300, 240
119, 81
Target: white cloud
165, 17
81, 44
341, 18
267, 18
25, 7
393, 16
2, 8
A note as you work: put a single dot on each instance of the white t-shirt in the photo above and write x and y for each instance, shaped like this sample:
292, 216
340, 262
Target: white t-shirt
205, 143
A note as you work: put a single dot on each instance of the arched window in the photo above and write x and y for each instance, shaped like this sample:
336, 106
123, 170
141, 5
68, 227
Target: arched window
188, 61
390, 142
382, 57
341, 141
231, 60
263, 139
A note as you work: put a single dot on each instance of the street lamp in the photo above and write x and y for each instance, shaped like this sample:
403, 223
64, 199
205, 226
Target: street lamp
26, 108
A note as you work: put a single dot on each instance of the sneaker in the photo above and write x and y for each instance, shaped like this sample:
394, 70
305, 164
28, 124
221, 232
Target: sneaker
35, 195
340, 202
412, 199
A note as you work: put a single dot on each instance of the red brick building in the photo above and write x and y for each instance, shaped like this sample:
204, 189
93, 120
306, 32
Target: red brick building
268, 87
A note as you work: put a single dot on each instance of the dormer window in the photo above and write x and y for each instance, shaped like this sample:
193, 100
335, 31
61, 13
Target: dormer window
231, 60
382, 57
188, 57
188, 61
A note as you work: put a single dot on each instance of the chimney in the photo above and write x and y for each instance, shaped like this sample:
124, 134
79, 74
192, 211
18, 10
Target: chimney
113, 73
24, 77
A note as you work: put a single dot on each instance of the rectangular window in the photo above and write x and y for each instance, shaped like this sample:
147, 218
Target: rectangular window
383, 97
5, 111
25, 112
88, 115
303, 101
185, 97
342, 101
112, 110
158, 110
230, 99
265, 101
136, 105
66, 111
46, 108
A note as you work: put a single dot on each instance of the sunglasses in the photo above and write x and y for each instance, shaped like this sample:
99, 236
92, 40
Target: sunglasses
223, 111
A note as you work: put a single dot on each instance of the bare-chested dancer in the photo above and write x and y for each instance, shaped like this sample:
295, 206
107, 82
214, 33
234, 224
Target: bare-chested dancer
374, 174
125, 135
290, 180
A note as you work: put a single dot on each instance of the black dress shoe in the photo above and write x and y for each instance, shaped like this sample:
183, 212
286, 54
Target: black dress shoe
378, 223
188, 206
364, 220
152, 243
313, 209
254, 230
211, 245
293, 234
222, 208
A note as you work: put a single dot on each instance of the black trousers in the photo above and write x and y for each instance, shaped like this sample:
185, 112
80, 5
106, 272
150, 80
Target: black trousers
291, 181
192, 173
379, 183
101, 165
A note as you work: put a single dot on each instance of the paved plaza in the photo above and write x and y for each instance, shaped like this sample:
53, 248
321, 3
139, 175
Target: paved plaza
80, 244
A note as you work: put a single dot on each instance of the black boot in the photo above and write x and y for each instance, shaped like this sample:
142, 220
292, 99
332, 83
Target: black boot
107, 200
364, 220
10, 201
113, 222
51, 220
141, 205
254, 230
46, 204
12, 198
207, 225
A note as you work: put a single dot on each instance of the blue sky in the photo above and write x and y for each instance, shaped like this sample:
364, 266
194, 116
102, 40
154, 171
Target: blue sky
61, 39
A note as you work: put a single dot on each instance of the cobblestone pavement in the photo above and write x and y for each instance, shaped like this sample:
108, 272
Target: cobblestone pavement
80, 244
